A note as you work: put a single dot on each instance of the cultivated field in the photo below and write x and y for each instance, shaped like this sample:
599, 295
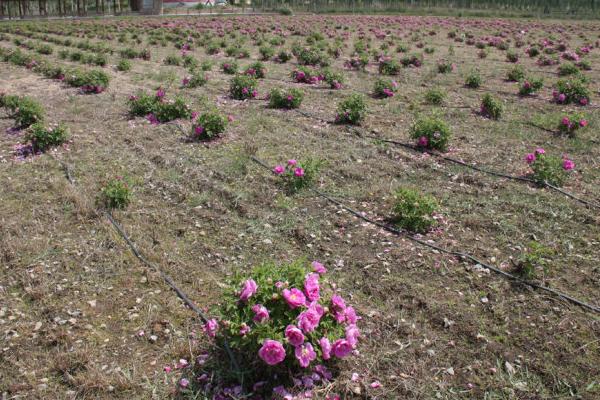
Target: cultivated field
82, 317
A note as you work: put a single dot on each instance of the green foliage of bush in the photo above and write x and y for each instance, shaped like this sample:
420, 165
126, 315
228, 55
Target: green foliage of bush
351, 110
431, 132
116, 194
43, 138
491, 107
243, 87
413, 211
285, 98
209, 126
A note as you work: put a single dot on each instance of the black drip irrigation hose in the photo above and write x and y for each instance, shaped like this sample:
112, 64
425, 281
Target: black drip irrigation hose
166, 278
458, 254
462, 163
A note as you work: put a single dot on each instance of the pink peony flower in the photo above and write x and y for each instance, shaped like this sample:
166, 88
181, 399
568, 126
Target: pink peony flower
309, 319
272, 352
292, 162
325, 348
199, 130
565, 121
294, 336
337, 303
261, 313
244, 330
184, 383
539, 150
562, 98
530, 158
305, 354
341, 348
319, 268
299, 172
423, 141
278, 170
248, 290
350, 315
294, 297
352, 335
583, 101
210, 327
583, 123
568, 164
311, 287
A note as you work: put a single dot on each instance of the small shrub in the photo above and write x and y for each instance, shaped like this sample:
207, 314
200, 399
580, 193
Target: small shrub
388, 66
305, 75
26, 111
229, 67
43, 138
473, 79
435, 96
516, 74
283, 56
298, 175
256, 69
128, 53
206, 65
333, 79
531, 86
358, 63
124, 65
208, 126
413, 211
92, 81
415, 60
196, 80
512, 56
243, 87
431, 133
568, 69
571, 123
173, 60
548, 168
169, 110
190, 62
384, 88
491, 107
533, 51
290, 98
271, 334
445, 66
311, 56
266, 52
351, 110
572, 91
116, 194
534, 259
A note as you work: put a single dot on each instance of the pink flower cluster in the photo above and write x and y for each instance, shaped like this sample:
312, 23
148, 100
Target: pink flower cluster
292, 167
531, 158
302, 333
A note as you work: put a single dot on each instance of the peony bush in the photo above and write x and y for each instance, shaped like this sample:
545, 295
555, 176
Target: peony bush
284, 320
549, 168
571, 123
298, 174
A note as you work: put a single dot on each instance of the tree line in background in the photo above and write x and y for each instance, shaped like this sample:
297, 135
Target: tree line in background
31, 8
533, 8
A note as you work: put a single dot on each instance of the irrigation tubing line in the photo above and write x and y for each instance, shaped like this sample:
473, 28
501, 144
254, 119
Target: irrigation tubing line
166, 278
462, 163
458, 254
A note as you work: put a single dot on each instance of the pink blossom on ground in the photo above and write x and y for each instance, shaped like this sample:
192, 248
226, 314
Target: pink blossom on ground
210, 327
